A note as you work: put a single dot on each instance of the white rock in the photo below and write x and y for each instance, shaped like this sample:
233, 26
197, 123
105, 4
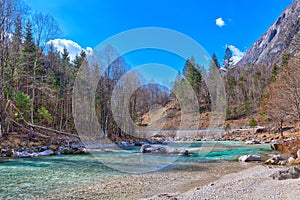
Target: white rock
162, 149
291, 159
276, 160
298, 154
251, 142
46, 153
23, 154
249, 158
147, 148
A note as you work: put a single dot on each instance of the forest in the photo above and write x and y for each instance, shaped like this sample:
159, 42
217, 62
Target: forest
36, 81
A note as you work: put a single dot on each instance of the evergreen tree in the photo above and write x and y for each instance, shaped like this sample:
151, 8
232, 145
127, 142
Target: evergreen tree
227, 60
29, 54
214, 61
16, 54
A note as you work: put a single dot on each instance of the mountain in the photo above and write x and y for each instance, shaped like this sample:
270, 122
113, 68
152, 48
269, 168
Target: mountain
279, 39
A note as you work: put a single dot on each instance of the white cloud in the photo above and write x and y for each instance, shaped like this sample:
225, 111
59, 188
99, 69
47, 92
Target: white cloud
72, 47
220, 22
237, 54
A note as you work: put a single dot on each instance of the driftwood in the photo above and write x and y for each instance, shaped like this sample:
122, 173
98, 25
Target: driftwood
52, 130
30, 127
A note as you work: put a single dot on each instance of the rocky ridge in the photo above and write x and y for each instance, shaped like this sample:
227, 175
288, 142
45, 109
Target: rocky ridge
279, 39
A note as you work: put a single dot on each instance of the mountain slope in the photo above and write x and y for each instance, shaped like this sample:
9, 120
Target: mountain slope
279, 39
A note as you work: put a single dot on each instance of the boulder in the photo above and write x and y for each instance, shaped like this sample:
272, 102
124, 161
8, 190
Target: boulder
3, 150
275, 146
22, 154
46, 153
249, 158
139, 143
65, 150
75, 146
43, 148
298, 154
251, 142
178, 151
276, 160
126, 144
52, 147
147, 148
291, 159
9, 153
288, 173
81, 150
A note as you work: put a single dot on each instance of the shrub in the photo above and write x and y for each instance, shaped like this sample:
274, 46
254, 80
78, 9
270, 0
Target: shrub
44, 115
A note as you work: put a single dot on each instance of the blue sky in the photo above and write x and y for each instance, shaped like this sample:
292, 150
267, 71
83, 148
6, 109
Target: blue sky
90, 22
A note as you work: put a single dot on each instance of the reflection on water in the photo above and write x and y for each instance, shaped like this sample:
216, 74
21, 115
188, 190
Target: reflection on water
35, 177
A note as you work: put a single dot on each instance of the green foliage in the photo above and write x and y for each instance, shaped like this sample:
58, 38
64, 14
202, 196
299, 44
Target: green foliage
30, 48
247, 108
252, 122
23, 102
227, 127
235, 113
9, 93
231, 113
285, 59
257, 76
227, 58
193, 76
44, 115
231, 81
214, 61
274, 72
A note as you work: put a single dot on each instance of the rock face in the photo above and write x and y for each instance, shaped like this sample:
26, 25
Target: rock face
289, 173
277, 40
249, 158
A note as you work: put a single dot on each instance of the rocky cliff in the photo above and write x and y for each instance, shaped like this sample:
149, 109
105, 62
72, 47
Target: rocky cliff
283, 37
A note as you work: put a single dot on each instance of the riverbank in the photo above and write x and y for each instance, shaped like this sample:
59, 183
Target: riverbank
225, 180
178, 180
253, 183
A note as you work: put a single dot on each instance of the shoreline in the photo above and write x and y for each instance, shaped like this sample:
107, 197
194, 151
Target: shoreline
253, 183
177, 181
171, 182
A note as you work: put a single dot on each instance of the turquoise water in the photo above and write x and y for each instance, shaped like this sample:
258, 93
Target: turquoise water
35, 177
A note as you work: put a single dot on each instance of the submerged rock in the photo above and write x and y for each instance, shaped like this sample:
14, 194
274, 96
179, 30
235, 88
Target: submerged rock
249, 158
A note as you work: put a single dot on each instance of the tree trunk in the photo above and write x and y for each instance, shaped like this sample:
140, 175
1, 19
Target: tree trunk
2, 104
281, 129
33, 91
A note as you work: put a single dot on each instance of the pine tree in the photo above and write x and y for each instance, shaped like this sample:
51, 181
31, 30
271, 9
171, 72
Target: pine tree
214, 61
29, 54
16, 54
227, 60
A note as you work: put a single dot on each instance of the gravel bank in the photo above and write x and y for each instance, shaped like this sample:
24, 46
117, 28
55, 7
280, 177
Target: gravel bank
136, 186
253, 183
